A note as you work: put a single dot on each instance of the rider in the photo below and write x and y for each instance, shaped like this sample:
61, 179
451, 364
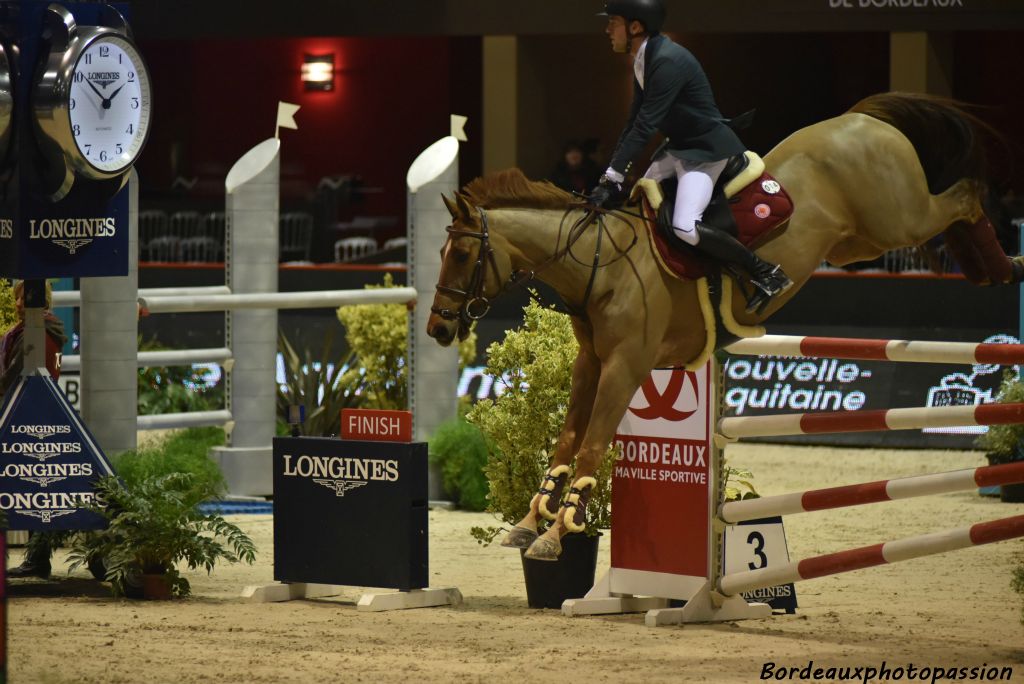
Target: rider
671, 93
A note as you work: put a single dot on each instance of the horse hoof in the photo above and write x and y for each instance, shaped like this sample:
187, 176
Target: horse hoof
519, 538
544, 549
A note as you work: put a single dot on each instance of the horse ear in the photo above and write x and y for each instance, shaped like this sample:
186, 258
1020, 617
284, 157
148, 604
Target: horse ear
452, 209
465, 211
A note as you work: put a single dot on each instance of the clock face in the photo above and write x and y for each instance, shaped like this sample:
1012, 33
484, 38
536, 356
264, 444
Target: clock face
108, 104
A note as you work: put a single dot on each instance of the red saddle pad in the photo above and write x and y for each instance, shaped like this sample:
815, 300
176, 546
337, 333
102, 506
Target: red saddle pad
760, 209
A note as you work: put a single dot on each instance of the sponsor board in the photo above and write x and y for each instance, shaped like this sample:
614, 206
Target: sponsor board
48, 460
350, 512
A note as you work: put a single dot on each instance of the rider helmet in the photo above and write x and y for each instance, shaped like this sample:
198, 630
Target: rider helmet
650, 13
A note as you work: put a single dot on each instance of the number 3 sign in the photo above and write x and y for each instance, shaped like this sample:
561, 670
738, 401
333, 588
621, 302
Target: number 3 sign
757, 544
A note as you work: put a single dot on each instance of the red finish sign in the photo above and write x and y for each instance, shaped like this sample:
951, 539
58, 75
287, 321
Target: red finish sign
376, 425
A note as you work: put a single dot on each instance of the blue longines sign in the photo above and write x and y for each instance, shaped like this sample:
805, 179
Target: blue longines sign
85, 232
48, 460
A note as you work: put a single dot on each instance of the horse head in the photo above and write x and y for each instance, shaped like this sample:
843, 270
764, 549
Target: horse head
471, 273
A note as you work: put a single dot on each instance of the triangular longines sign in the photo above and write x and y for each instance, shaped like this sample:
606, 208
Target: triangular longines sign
48, 460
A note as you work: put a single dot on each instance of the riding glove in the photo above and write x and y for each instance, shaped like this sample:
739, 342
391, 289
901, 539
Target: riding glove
607, 194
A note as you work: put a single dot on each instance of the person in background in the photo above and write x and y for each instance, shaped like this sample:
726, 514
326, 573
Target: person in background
575, 171
12, 362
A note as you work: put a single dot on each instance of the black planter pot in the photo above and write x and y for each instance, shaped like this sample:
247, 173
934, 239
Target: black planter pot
549, 583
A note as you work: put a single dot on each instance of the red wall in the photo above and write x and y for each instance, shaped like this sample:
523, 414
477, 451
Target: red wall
214, 100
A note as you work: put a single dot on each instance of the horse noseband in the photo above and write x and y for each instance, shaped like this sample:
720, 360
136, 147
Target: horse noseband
475, 304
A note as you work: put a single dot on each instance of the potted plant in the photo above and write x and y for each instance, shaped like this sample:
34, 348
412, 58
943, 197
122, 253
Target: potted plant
533, 368
1005, 443
152, 525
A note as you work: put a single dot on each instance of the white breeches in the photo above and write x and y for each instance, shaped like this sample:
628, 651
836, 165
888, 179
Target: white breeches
696, 182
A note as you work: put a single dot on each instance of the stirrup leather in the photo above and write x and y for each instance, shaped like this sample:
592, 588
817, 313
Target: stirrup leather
575, 505
550, 491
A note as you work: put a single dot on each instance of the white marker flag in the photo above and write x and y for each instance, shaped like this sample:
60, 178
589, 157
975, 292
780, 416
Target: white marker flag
286, 116
458, 127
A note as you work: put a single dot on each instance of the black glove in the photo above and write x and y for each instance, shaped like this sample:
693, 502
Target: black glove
607, 193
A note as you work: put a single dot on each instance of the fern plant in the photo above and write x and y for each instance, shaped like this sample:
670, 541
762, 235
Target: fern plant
152, 525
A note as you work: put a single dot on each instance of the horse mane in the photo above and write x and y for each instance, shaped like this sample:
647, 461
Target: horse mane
510, 188
948, 139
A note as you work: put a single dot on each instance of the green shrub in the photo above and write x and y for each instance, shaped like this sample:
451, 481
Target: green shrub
1003, 442
8, 311
533, 365
183, 451
177, 389
460, 450
378, 335
323, 386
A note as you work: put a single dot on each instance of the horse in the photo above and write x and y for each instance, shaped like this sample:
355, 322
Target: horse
893, 171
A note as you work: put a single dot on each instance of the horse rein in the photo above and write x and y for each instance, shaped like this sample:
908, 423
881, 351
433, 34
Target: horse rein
476, 304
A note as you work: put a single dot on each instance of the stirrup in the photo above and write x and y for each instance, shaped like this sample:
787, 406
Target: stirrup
766, 288
575, 505
551, 491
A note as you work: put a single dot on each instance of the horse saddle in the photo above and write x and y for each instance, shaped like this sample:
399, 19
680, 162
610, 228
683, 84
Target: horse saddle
747, 202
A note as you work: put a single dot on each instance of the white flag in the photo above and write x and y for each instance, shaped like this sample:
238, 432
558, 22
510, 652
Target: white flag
286, 116
458, 127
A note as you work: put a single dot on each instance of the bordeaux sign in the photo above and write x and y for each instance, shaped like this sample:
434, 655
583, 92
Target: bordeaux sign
48, 460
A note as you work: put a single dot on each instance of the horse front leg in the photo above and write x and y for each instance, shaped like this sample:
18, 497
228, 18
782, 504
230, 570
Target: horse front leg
546, 502
619, 380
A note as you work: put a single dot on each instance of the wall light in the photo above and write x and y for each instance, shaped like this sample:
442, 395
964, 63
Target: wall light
318, 72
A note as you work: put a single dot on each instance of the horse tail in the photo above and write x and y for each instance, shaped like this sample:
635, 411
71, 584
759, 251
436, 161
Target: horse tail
949, 140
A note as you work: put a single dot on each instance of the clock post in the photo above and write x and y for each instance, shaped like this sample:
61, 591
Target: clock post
74, 117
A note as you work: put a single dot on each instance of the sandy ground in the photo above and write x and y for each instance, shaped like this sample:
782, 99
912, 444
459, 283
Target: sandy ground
948, 611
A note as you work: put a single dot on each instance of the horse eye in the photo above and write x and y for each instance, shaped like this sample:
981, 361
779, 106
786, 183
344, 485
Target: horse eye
461, 256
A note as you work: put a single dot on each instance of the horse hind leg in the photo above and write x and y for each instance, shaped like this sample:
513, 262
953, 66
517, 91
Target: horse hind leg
971, 237
981, 258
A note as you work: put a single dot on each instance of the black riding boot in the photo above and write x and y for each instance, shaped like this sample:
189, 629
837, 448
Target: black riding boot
768, 279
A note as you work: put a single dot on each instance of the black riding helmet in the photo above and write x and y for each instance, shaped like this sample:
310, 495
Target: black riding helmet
650, 13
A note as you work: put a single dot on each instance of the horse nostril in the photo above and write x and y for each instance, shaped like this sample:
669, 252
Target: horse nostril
439, 332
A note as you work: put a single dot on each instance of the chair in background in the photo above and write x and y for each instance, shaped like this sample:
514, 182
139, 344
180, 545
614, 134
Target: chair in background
164, 248
213, 225
199, 249
395, 243
351, 248
184, 224
296, 236
153, 223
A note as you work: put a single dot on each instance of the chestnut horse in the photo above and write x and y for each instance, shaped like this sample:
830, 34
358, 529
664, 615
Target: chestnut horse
859, 187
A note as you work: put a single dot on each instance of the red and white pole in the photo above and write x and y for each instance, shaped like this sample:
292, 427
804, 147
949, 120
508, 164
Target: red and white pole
868, 421
856, 349
872, 492
870, 556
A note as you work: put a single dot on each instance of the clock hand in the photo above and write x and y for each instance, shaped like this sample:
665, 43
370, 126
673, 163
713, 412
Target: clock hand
106, 102
113, 94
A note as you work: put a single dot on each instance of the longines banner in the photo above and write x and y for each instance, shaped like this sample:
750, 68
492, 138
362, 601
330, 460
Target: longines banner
48, 460
351, 513
74, 238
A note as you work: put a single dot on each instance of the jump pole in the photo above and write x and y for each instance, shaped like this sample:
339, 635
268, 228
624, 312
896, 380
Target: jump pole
878, 554
871, 492
868, 421
902, 351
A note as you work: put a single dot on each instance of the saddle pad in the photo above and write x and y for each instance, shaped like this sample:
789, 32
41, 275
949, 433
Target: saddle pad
760, 209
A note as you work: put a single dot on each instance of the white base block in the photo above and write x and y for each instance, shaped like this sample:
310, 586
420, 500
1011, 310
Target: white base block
417, 598
708, 606
248, 471
705, 605
289, 591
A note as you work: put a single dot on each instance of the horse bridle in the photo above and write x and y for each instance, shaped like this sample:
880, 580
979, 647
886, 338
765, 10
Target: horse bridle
467, 315
474, 294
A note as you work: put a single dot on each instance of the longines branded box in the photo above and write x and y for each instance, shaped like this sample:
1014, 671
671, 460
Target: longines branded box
350, 512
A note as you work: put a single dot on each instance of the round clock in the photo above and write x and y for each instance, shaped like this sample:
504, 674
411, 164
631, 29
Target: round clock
91, 101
